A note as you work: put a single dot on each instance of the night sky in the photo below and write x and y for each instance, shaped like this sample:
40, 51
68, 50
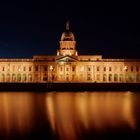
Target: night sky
30, 28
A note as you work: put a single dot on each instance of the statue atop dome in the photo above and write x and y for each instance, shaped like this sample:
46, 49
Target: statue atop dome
67, 25
67, 35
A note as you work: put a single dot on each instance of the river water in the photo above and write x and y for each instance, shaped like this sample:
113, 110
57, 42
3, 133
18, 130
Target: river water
69, 115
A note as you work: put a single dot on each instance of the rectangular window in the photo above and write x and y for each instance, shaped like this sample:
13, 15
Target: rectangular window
98, 68
36, 68
104, 68
89, 68
121, 77
131, 68
3, 68
73, 68
24, 68
30, 68
88, 77
137, 68
45, 68
110, 69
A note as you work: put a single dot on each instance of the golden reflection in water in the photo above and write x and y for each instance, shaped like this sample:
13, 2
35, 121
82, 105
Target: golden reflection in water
16, 110
70, 113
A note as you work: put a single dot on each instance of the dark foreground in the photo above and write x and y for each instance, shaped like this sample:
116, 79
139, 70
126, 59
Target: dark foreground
69, 86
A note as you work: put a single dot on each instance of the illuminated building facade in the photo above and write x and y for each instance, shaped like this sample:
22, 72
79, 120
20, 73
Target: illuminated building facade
68, 66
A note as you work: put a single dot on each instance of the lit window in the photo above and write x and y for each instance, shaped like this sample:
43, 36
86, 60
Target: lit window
24, 68
131, 68
8, 78
13, 77
89, 68
3, 68
30, 68
131, 77
88, 77
61, 68
19, 77
24, 77
104, 77
98, 68
137, 77
29, 77
73, 77
19, 68
73, 68
3, 78
115, 77
126, 77
110, 77
121, 77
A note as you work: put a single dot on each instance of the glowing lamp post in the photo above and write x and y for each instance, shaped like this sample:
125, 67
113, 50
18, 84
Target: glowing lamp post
125, 68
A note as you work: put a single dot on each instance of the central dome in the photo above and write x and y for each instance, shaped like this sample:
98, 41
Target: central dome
67, 36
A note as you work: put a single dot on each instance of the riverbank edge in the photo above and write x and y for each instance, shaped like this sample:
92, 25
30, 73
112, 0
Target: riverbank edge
69, 86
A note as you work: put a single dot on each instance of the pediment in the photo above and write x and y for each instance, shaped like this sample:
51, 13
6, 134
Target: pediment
66, 59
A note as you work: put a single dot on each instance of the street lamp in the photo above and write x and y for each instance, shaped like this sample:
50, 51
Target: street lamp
125, 68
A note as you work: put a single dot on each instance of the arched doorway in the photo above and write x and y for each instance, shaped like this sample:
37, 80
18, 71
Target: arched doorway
13, 78
19, 78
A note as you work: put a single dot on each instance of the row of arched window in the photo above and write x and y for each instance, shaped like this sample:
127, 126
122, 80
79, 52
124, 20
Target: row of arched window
119, 77
16, 77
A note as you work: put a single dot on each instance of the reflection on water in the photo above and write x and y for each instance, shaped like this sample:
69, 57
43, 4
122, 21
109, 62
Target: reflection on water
71, 113
15, 112
67, 115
